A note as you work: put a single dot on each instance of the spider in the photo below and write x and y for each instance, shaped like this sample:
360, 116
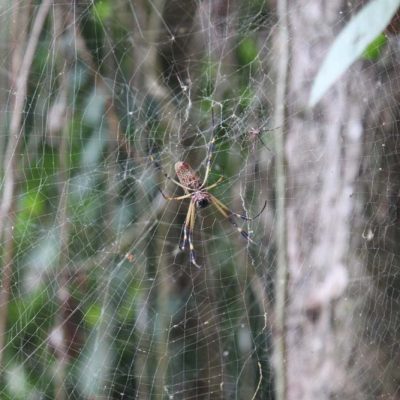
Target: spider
197, 191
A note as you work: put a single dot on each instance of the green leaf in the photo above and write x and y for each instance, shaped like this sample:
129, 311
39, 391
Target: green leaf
351, 42
374, 49
246, 97
92, 315
247, 51
32, 204
102, 10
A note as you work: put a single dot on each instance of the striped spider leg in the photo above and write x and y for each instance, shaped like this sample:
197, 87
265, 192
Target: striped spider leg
198, 193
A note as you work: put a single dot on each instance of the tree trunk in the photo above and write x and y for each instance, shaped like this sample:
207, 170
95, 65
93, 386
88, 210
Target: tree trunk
323, 152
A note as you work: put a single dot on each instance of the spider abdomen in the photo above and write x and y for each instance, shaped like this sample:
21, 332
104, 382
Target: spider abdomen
187, 176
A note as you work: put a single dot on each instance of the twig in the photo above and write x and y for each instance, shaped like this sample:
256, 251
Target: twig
66, 306
282, 268
259, 381
7, 214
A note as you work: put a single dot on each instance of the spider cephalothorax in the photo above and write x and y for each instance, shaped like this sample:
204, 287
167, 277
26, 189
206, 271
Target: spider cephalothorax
201, 198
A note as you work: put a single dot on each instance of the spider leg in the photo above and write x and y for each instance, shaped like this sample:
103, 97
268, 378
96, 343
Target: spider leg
263, 143
210, 151
186, 227
191, 227
221, 178
230, 212
229, 216
186, 196
187, 219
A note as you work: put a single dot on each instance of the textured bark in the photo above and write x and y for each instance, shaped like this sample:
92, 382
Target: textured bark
323, 151
381, 233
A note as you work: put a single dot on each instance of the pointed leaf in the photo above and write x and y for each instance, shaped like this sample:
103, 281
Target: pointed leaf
351, 42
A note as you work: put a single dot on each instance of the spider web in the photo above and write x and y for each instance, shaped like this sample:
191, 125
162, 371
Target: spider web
102, 302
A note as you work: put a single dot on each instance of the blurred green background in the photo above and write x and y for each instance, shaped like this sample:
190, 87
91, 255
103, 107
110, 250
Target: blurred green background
97, 300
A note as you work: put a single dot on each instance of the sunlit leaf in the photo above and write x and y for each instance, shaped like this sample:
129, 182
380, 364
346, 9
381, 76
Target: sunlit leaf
351, 43
102, 10
374, 49
93, 314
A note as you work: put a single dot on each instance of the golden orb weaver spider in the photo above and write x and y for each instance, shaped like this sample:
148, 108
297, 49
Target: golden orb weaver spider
197, 191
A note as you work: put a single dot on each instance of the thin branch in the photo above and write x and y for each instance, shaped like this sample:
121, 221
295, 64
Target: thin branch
65, 321
282, 268
259, 381
20, 89
7, 213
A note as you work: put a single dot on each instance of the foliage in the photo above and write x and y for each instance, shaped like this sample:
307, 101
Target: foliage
93, 305
351, 42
